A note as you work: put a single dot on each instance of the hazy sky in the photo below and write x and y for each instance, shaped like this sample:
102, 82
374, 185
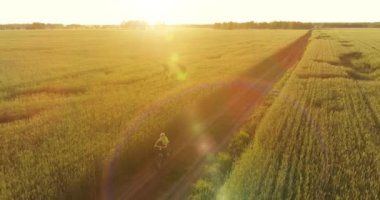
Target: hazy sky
186, 11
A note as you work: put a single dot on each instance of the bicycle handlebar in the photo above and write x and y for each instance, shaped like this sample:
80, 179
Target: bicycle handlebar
159, 147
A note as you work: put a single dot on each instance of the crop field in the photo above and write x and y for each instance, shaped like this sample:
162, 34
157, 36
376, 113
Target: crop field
80, 107
320, 139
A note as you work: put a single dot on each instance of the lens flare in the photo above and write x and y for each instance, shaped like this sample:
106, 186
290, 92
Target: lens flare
204, 147
174, 58
169, 36
181, 76
179, 71
197, 128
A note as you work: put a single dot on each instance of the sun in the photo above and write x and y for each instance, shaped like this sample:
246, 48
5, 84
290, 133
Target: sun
155, 11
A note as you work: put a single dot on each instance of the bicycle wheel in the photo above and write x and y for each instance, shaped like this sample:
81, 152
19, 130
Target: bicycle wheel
159, 160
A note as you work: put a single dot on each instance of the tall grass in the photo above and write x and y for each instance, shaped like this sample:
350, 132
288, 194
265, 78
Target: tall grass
71, 101
320, 138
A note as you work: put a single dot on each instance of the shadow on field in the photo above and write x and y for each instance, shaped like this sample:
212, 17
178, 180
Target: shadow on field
334, 63
8, 117
47, 91
345, 43
344, 59
200, 130
354, 70
28, 113
323, 36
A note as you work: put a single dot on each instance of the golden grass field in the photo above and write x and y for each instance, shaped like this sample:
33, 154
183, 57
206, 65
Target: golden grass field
251, 114
320, 139
73, 101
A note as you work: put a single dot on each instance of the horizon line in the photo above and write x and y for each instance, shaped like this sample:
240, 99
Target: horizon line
174, 24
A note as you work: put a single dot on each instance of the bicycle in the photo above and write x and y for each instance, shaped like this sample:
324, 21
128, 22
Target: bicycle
162, 154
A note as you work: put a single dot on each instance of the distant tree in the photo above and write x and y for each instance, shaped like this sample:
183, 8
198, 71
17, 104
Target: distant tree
74, 26
136, 24
264, 25
36, 25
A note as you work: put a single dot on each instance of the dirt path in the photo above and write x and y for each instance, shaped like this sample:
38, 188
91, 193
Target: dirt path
217, 117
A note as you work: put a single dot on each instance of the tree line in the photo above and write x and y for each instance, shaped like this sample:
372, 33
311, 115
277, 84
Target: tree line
291, 25
38, 26
263, 25
224, 25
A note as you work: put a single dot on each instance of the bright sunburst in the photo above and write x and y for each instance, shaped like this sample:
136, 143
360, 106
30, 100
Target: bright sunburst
155, 11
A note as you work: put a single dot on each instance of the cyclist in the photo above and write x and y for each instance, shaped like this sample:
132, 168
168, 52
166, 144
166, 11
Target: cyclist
161, 144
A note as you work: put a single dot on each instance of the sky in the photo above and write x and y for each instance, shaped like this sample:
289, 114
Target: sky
187, 11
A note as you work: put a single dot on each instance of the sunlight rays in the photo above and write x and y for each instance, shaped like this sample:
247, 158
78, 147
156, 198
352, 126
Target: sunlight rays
155, 11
